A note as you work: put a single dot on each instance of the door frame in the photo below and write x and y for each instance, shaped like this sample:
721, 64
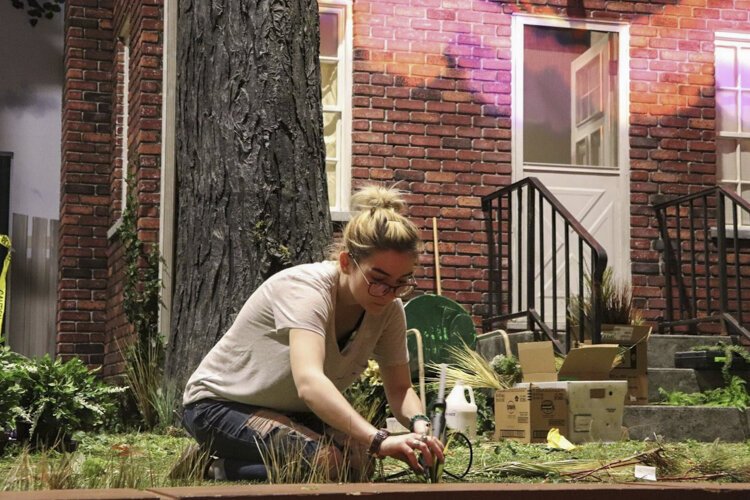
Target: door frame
518, 23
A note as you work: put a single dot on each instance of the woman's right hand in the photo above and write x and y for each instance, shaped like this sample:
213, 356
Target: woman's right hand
405, 447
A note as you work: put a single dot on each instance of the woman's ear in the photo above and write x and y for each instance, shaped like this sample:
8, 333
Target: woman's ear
344, 259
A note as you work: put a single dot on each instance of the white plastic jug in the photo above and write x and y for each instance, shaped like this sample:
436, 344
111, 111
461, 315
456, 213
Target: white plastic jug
460, 414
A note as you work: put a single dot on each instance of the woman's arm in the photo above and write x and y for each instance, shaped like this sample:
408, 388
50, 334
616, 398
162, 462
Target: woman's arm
405, 404
307, 355
401, 396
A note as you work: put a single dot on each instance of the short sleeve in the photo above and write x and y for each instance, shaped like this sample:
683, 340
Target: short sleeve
301, 302
390, 349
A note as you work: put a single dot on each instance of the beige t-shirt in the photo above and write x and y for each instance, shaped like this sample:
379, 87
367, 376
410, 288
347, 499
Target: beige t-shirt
250, 363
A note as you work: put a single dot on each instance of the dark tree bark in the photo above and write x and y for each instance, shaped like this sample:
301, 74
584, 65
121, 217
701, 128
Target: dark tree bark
250, 158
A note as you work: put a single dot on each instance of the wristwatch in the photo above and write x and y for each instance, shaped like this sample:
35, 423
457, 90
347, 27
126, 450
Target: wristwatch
380, 436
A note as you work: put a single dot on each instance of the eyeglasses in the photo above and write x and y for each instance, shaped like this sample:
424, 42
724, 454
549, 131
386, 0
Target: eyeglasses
383, 289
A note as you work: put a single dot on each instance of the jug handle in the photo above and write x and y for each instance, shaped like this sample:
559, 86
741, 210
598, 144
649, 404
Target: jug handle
471, 394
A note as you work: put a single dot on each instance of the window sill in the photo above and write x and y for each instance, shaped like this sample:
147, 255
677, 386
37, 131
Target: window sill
339, 216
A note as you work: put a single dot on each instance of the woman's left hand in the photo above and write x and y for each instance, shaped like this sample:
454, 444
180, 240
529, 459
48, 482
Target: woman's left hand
428, 446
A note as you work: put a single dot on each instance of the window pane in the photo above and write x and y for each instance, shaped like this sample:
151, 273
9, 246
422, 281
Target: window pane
329, 34
745, 110
726, 110
726, 153
594, 71
744, 61
329, 83
745, 159
331, 178
581, 157
567, 95
725, 67
596, 146
331, 123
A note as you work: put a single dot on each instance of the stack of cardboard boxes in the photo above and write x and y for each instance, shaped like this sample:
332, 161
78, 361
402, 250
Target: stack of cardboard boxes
584, 400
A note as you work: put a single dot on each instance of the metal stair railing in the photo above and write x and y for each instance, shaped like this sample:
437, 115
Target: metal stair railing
702, 273
528, 229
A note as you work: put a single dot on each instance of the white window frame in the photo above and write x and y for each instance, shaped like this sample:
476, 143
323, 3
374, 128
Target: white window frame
519, 22
343, 8
736, 41
123, 136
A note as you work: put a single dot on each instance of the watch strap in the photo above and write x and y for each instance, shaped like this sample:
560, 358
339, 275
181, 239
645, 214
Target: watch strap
377, 440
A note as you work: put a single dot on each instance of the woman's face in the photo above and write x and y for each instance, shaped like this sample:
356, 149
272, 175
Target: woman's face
387, 267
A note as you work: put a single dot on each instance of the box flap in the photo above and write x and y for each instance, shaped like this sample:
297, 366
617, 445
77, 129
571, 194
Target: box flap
537, 361
589, 362
625, 334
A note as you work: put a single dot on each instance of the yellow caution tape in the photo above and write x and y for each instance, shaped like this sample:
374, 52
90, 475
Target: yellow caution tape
557, 441
4, 241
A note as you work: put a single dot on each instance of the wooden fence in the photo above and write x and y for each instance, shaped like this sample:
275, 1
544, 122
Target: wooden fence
32, 303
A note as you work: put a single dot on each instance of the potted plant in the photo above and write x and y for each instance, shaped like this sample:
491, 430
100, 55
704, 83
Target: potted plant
622, 324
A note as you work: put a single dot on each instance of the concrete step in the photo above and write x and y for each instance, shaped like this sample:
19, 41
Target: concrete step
661, 348
679, 423
671, 379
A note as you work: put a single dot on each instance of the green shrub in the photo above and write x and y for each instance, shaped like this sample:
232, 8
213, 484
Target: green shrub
733, 395
61, 398
367, 395
11, 374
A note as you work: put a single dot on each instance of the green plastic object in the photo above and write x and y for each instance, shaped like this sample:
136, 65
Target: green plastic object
442, 323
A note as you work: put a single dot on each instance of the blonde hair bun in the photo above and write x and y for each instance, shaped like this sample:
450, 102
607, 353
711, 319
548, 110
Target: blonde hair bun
379, 224
375, 197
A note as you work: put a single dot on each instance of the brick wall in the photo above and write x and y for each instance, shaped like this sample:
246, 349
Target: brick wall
432, 109
139, 25
90, 317
85, 197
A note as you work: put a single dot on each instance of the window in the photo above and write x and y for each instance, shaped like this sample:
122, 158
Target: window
570, 102
118, 176
335, 71
733, 114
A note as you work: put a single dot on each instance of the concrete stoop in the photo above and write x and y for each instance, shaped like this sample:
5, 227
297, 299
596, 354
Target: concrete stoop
661, 348
679, 423
672, 423
398, 491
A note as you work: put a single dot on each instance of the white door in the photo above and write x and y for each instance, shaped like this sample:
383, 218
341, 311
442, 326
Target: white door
570, 130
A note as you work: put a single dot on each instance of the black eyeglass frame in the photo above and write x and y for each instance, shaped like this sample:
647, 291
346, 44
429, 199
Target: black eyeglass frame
399, 291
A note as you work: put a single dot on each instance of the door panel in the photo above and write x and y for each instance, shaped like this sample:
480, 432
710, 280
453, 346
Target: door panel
570, 124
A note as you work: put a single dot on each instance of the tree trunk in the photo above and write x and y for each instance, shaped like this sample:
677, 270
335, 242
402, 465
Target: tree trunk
251, 188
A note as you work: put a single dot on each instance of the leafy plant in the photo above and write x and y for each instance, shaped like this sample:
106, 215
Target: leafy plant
11, 389
144, 358
617, 303
733, 395
61, 398
507, 366
367, 395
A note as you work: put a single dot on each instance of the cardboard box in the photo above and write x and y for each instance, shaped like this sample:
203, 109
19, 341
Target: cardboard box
595, 408
527, 414
593, 405
590, 362
634, 366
